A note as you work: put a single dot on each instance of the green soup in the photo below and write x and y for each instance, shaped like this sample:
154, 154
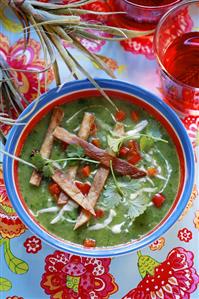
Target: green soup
127, 210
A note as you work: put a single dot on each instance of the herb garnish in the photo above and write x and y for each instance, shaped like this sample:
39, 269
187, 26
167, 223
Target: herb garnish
138, 206
115, 143
74, 151
47, 167
147, 140
130, 193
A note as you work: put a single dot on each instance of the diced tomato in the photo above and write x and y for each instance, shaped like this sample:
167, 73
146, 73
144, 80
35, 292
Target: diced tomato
64, 145
99, 213
152, 171
93, 130
96, 142
89, 243
120, 115
85, 171
133, 145
134, 158
83, 187
158, 200
123, 151
54, 189
134, 155
134, 116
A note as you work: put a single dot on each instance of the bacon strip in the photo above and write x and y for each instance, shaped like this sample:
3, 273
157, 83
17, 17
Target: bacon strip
86, 125
97, 185
63, 197
84, 132
47, 145
122, 167
93, 195
71, 190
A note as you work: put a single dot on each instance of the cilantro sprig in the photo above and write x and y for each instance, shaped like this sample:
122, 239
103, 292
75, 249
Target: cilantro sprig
75, 151
47, 166
152, 134
136, 199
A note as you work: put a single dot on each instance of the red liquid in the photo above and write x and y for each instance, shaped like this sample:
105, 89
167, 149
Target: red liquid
181, 59
152, 2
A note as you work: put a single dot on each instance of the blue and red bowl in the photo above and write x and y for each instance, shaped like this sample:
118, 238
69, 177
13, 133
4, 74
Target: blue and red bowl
70, 92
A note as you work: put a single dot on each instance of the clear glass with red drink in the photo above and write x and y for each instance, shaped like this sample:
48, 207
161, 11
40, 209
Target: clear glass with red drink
177, 53
145, 11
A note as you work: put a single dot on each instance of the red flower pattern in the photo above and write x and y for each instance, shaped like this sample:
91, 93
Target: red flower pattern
14, 297
139, 45
10, 224
32, 244
100, 6
26, 60
185, 235
94, 46
69, 276
192, 125
174, 278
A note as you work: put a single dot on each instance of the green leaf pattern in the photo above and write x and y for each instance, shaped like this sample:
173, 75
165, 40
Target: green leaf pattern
15, 264
146, 264
5, 284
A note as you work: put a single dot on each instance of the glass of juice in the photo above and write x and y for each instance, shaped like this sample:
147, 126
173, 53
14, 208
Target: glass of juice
145, 11
177, 53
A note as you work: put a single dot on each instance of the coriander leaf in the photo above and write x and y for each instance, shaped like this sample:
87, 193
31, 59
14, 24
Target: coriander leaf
38, 161
114, 143
129, 185
48, 171
137, 206
74, 150
153, 129
146, 143
111, 198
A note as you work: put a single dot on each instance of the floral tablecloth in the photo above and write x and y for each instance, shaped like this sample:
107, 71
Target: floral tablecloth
30, 269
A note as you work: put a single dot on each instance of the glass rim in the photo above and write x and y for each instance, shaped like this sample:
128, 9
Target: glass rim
153, 6
156, 34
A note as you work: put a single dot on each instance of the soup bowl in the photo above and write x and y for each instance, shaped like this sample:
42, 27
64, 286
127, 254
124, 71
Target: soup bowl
84, 89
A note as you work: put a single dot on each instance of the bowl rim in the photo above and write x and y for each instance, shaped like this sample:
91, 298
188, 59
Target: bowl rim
122, 87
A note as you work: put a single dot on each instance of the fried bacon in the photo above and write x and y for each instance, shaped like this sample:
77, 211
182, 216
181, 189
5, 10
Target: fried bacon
71, 190
46, 148
84, 132
86, 125
70, 175
93, 195
97, 185
122, 167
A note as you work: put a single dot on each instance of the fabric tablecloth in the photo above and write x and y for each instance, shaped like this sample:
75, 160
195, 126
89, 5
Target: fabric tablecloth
29, 268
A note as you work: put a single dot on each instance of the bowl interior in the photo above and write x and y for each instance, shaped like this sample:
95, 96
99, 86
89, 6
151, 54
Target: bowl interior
71, 92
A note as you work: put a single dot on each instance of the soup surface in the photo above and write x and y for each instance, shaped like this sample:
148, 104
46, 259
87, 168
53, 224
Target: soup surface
127, 207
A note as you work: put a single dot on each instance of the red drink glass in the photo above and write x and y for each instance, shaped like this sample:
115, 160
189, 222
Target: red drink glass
145, 11
177, 53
